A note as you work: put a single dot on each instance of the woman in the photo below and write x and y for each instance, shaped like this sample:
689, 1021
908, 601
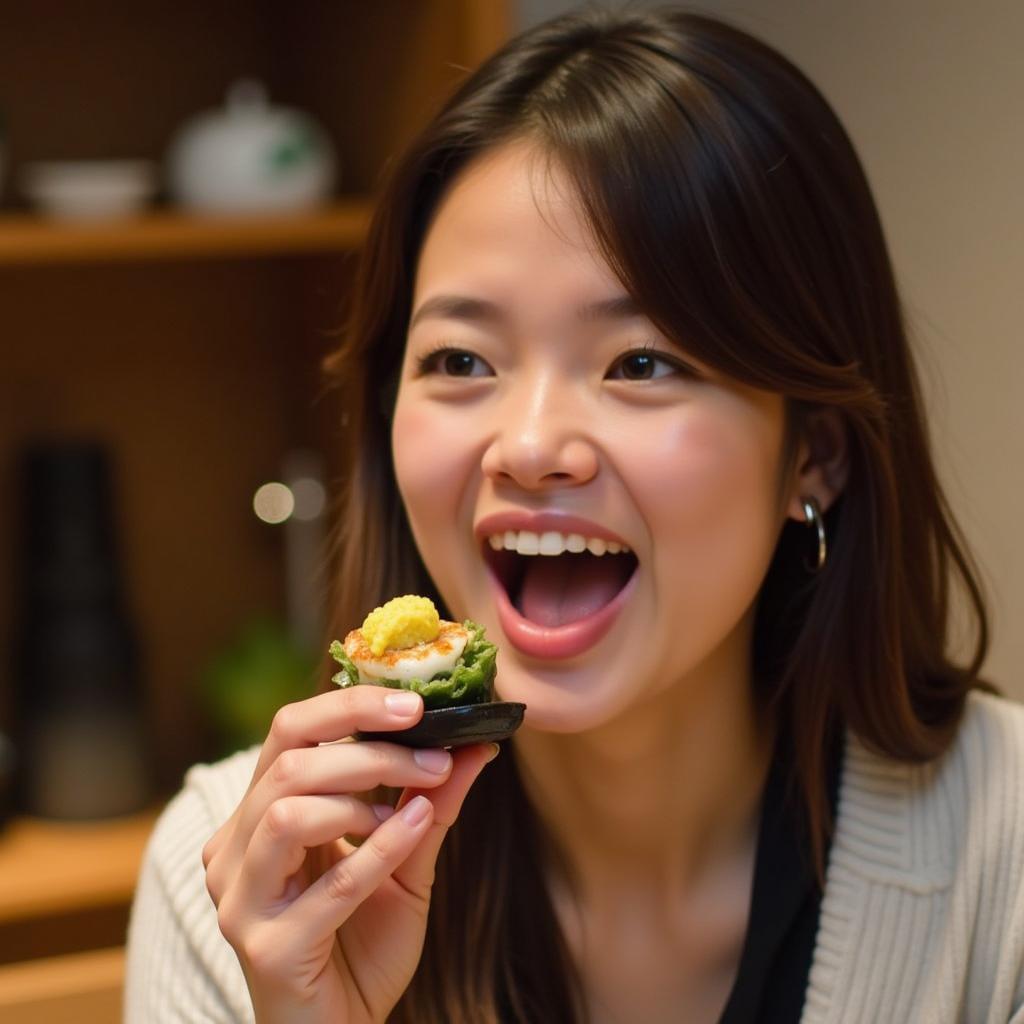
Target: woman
631, 286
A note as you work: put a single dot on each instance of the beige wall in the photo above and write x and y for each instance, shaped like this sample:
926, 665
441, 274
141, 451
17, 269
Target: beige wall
932, 92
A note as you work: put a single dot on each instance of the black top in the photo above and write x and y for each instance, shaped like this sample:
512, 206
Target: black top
785, 903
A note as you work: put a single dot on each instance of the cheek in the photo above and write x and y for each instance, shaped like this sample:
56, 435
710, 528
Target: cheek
435, 463
408, 445
704, 467
424, 458
705, 485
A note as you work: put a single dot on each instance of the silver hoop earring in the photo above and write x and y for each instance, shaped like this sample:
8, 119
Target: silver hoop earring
812, 514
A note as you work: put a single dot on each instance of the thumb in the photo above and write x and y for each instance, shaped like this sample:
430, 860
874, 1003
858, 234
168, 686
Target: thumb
416, 872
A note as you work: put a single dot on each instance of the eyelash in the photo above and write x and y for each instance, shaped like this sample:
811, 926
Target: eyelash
428, 362
648, 349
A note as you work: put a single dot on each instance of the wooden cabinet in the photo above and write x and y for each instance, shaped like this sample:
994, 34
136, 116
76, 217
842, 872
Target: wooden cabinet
65, 892
66, 886
193, 346
79, 988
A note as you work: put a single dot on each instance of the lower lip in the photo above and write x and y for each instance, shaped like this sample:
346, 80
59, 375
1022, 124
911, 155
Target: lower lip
553, 642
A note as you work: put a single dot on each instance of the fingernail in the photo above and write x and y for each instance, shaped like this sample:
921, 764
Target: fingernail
382, 811
402, 704
415, 810
436, 761
495, 751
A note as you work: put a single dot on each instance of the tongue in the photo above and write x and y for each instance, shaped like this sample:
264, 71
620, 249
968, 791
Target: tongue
570, 587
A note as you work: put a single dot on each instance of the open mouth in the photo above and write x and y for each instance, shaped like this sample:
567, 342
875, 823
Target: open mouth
554, 581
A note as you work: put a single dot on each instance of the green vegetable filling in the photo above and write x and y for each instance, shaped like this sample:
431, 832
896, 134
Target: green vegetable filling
470, 681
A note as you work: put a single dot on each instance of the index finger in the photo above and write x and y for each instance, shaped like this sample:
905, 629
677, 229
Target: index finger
336, 715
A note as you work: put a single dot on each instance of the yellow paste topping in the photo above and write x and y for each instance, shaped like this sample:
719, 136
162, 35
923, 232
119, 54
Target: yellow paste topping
401, 623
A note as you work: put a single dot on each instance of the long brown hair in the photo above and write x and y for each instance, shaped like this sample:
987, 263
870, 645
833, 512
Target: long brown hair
729, 200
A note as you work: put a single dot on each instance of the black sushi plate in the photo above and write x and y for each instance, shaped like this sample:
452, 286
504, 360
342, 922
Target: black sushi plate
457, 726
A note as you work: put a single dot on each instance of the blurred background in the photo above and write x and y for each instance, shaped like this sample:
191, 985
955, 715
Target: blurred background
183, 186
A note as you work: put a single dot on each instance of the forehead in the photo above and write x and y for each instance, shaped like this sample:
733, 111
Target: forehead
511, 210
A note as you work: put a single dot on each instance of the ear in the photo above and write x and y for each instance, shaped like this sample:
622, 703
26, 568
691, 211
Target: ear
822, 462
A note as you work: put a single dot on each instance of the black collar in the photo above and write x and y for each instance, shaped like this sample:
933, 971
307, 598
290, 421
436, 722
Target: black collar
786, 899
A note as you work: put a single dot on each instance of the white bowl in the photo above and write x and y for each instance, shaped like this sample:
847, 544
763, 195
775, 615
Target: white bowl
249, 156
89, 189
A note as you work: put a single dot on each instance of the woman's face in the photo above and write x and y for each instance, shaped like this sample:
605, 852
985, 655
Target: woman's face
538, 407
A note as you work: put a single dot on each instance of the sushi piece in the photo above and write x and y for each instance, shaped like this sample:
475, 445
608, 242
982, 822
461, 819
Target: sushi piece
404, 644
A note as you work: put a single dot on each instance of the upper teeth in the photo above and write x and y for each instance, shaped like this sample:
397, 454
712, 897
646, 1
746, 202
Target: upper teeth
552, 543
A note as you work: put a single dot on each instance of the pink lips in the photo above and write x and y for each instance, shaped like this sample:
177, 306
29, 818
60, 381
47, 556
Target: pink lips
557, 641
552, 642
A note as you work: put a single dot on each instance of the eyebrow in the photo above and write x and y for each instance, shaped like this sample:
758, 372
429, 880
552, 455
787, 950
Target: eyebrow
472, 310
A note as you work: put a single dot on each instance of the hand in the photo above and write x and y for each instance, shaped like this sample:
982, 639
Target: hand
325, 930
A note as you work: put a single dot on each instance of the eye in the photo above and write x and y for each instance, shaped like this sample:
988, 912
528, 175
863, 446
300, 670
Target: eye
453, 362
644, 364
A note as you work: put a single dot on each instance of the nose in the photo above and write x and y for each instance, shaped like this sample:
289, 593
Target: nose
540, 440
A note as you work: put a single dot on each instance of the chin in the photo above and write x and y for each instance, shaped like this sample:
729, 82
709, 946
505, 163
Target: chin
562, 695
557, 705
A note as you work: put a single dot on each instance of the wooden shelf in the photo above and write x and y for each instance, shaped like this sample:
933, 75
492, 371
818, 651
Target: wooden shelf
27, 239
49, 867
191, 347
81, 987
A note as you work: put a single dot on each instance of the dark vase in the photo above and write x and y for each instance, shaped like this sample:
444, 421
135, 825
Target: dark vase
80, 730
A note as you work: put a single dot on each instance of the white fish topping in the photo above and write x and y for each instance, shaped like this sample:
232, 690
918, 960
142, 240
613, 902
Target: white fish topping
422, 661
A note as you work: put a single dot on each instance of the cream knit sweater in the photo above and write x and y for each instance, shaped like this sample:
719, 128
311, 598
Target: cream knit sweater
922, 919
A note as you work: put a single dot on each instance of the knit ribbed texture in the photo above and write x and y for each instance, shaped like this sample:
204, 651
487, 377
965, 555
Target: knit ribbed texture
922, 920
180, 968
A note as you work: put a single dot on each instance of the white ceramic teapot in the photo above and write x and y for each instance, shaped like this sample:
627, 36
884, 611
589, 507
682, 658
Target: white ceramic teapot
250, 157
